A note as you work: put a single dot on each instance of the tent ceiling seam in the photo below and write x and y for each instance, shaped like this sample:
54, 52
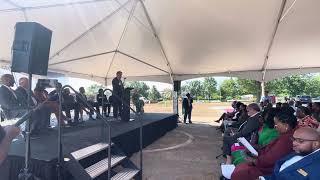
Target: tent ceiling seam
136, 18
139, 60
14, 4
159, 41
274, 32
88, 30
80, 58
20, 8
122, 35
288, 10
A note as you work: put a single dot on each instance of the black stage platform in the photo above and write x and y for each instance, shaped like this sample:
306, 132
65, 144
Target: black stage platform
44, 149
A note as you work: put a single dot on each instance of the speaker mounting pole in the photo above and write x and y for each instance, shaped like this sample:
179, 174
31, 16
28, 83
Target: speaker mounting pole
25, 173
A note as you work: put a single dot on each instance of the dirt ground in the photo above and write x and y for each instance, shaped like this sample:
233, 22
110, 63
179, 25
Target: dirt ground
188, 152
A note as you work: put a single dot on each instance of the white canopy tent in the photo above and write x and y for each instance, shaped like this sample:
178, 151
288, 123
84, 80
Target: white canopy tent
166, 40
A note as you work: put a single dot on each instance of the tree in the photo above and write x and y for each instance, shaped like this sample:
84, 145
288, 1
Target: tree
209, 87
196, 88
141, 87
167, 94
92, 90
154, 94
229, 89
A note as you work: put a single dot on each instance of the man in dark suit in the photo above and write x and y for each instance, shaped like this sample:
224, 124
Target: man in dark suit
41, 116
117, 93
245, 130
304, 163
68, 104
9, 102
187, 107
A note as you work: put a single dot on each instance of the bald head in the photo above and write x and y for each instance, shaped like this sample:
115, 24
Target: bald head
7, 79
24, 82
306, 140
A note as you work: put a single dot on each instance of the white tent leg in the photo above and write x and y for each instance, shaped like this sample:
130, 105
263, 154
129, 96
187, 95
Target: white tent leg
265, 63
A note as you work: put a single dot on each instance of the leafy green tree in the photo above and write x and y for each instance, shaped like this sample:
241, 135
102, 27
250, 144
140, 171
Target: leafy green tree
313, 86
167, 94
229, 89
154, 94
196, 88
141, 87
209, 87
92, 90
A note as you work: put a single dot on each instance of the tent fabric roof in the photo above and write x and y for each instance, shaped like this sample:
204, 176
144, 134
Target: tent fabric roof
165, 40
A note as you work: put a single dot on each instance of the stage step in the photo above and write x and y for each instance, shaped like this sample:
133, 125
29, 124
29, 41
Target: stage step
125, 174
90, 150
102, 166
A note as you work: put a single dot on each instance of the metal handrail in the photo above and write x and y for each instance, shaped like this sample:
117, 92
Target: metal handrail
140, 120
60, 155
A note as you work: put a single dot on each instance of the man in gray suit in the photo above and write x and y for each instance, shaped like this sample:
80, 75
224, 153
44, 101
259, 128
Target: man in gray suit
245, 130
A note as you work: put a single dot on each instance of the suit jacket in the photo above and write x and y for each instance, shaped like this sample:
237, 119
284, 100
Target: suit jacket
22, 95
8, 101
185, 104
306, 168
248, 127
117, 86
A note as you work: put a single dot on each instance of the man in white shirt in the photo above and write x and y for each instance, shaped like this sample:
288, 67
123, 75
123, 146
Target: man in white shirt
304, 163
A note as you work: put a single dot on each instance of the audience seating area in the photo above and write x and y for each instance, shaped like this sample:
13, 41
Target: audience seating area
285, 136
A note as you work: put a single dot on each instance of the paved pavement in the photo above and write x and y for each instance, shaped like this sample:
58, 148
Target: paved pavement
187, 153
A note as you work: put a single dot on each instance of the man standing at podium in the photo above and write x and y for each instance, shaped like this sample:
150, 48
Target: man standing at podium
118, 89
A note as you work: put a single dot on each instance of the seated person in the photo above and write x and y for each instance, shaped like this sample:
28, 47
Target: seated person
69, 103
266, 134
242, 118
102, 97
7, 134
232, 117
305, 119
9, 102
41, 116
138, 103
228, 114
83, 106
245, 130
304, 163
277, 149
41, 95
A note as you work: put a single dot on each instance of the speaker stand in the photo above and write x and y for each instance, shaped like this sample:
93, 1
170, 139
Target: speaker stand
25, 173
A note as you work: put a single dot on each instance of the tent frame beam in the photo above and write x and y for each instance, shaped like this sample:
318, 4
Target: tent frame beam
88, 31
20, 8
80, 58
141, 61
158, 39
274, 33
122, 35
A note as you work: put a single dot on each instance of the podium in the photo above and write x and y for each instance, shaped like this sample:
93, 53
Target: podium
125, 115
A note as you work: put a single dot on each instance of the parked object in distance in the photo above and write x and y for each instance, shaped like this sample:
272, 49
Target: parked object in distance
317, 99
304, 99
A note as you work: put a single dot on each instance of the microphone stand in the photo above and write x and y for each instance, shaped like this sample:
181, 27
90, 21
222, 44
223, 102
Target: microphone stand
26, 173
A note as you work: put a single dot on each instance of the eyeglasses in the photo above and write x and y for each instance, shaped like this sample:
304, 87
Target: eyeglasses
300, 140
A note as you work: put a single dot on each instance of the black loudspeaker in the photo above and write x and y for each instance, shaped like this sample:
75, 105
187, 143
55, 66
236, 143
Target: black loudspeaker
31, 48
176, 86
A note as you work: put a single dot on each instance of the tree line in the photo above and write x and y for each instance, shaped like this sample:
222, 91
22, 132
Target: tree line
233, 88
